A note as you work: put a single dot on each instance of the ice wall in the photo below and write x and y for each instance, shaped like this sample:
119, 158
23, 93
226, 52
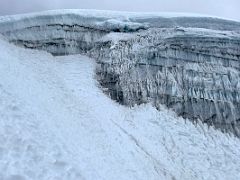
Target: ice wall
195, 72
190, 64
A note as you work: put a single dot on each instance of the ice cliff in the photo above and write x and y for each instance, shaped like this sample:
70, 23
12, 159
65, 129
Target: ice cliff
189, 63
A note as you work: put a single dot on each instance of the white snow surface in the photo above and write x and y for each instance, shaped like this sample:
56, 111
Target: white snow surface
112, 20
108, 14
57, 124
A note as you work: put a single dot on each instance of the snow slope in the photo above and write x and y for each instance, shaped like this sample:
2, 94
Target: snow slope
57, 124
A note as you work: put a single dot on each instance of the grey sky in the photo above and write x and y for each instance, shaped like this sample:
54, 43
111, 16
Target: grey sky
222, 8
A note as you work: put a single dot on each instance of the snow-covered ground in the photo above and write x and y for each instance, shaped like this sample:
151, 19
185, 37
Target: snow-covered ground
57, 124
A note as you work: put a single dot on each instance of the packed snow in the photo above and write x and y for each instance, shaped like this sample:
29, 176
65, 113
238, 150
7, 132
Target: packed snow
112, 20
121, 15
57, 124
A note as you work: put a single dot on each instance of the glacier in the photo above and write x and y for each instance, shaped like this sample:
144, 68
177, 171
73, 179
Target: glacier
57, 123
189, 63
176, 74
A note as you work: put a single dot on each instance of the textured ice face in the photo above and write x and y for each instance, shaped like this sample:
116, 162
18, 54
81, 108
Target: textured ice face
194, 72
190, 64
